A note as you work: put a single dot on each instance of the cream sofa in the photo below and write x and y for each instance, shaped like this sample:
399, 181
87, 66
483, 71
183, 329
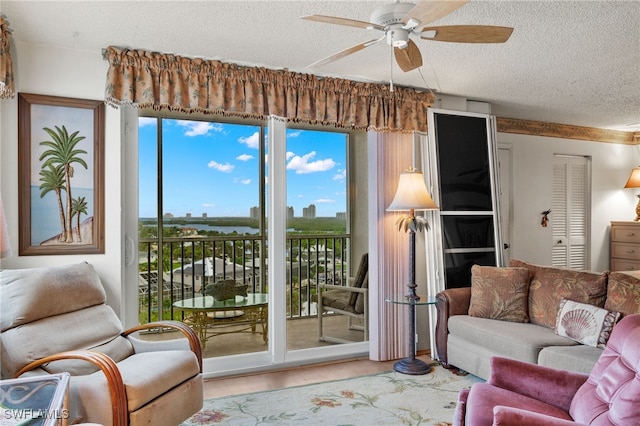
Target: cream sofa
522, 321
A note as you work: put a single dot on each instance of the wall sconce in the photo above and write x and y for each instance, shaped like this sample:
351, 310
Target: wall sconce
634, 182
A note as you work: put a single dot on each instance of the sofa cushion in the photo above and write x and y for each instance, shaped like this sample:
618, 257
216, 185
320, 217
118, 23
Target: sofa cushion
623, 293
579, 358
550, 285
514, 340
585, 323
499, 293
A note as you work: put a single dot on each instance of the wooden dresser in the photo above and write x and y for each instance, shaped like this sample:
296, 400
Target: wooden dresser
625, 246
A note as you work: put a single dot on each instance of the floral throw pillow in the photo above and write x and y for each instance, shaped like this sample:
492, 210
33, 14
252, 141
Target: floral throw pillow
499, 293
623, 293
585, 323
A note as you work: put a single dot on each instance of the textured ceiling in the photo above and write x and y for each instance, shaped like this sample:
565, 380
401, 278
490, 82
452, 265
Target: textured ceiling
570, 62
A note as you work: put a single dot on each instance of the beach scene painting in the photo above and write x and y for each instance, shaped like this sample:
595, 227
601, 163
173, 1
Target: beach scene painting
61, 171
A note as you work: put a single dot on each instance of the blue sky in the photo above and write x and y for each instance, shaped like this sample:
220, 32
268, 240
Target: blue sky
213, 168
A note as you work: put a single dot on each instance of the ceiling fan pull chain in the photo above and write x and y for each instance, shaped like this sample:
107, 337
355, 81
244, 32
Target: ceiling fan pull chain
391, 71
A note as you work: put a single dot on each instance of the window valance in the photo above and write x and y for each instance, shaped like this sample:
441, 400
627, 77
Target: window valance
155, 80
7, 86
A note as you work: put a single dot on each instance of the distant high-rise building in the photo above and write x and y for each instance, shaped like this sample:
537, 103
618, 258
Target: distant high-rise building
290, 212
188, 215
254, 213
168, 215
309, 212
204, 215
341, 215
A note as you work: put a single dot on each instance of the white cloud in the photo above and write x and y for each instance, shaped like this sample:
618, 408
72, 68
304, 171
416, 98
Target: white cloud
303, 165
293, 133
198, 128
324, 201
245, 181
208, 205
147, 121
290, 154
341, 175
252, 141
225, 168
244, 157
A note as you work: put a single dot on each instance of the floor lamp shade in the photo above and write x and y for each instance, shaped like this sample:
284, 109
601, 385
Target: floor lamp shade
412, 193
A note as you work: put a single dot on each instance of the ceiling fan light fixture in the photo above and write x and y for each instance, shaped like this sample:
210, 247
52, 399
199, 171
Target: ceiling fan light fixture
398, 38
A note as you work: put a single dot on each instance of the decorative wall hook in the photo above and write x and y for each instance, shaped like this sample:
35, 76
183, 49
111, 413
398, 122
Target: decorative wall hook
545, 218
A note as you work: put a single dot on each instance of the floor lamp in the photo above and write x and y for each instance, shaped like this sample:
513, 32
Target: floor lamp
412, 195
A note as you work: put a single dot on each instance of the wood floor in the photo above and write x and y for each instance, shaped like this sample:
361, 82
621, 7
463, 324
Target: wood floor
351, 367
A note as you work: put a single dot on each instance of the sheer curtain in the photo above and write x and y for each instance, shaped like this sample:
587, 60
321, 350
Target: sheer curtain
389, 155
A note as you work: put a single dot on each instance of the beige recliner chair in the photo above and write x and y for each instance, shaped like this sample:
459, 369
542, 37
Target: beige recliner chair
56, 319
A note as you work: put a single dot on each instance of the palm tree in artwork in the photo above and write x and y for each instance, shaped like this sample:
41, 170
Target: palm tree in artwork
62, 150
78, 206
52, 179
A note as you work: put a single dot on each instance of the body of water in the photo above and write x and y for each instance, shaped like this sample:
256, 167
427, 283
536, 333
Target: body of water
45, 215
224, 229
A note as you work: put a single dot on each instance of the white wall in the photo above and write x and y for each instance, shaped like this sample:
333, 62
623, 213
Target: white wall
45, 70
532, 171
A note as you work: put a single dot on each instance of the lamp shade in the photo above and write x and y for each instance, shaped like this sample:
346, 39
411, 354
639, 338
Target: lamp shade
634, 178
412, 193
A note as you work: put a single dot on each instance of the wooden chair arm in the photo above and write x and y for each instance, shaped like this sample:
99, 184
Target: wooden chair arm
192, 337
117, 391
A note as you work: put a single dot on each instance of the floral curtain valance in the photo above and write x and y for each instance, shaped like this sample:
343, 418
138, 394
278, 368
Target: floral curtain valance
155, 80
7, 88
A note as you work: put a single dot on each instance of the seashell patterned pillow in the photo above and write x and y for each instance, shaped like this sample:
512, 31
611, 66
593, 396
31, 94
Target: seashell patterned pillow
585, 323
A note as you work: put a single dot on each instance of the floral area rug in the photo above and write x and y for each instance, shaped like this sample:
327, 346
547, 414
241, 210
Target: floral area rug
381, 399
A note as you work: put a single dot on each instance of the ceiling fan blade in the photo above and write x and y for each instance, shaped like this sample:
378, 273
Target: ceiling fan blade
408, 58
342, 21
428, 11
467, 33
343, 53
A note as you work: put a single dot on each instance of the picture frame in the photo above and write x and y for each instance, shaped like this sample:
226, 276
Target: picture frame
60, 175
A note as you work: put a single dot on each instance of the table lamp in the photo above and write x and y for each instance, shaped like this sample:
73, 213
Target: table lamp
412, 195
634, 182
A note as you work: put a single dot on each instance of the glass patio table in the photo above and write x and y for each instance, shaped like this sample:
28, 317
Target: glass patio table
210, 317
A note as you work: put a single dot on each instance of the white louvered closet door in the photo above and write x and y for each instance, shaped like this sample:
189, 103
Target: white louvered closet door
570, 218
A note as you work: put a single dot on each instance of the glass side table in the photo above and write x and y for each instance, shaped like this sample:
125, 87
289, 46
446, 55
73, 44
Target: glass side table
35, 400
412, 365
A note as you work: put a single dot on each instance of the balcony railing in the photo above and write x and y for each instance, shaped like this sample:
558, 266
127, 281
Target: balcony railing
180, 267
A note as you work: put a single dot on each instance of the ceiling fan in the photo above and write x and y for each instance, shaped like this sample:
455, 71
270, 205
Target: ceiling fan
399, 21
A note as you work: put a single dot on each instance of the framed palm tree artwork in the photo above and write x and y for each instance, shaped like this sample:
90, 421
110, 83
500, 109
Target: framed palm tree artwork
60, 175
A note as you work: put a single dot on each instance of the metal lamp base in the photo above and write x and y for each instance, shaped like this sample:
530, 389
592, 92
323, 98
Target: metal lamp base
412, 366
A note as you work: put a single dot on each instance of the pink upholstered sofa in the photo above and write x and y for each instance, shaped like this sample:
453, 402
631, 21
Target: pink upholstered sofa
519, 393
514, 313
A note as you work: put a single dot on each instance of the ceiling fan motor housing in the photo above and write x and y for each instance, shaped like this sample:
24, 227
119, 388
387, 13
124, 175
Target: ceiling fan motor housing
390, 14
